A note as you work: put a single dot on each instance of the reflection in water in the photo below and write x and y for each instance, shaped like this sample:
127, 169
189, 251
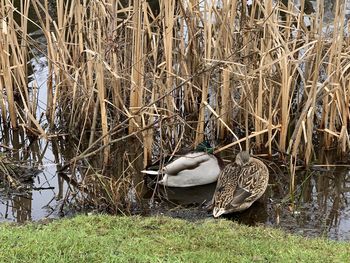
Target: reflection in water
38, 199
323, 209
46, 189
320, 205
22, 208
188, 195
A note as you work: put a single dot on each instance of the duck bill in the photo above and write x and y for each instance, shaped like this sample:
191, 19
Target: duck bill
218, 212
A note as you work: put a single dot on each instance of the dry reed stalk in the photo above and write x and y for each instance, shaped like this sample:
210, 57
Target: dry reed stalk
338, 111
292, 167
312, 93
149, 117
249, 100
6, 83
5, 64
147, 136
210, 50
114, 64
19, 58
137, 66
266, 46
45, 21
167, 11
285, 87
269, 125
101, 94
226, 33
2, 103
14, 55
79, 17
244, 139
188, 48
325, 112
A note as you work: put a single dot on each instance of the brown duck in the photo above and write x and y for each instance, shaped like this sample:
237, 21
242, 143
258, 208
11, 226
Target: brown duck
240, 184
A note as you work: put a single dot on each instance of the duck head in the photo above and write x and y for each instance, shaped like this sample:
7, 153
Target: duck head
204, 147
218, 211
242, 158
221, 201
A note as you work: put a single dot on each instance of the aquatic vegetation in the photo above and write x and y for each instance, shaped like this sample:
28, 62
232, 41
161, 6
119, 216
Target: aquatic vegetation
15, 176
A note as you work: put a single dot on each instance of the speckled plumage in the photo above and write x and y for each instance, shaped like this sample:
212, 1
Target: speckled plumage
240, 184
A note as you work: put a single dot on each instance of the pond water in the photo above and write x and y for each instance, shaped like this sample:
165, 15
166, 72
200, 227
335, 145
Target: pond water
42, 200
48, 188
320, 205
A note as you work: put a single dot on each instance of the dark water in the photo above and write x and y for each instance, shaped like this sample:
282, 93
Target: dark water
319, 207
42, 198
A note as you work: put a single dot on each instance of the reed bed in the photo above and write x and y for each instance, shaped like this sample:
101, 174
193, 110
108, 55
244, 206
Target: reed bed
174, 73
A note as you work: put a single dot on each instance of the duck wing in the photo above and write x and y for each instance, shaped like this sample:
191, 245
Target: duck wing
251, 177
231, 180
227, 182
228, 176
251, 183
239, 196
189, 161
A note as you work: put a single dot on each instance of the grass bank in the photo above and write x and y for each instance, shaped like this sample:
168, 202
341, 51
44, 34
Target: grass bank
160, 239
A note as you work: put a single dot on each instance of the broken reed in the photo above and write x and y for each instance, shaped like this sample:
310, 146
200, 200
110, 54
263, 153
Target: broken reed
122, 66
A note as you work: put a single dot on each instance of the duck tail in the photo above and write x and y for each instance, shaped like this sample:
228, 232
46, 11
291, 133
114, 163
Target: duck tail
151, 172
150, 178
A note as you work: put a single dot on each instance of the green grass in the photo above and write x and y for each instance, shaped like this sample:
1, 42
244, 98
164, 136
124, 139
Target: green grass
159, 239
